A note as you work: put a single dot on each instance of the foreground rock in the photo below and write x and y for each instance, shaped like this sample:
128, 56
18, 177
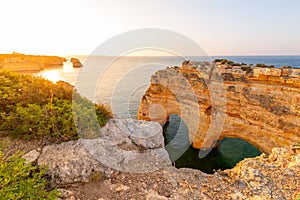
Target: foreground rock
125, 145
130, 145
257, 104
82, 169
276, 176
29, 63
70, 163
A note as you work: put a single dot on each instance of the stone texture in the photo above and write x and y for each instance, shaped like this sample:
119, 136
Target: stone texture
253, 178
258, 105
69, 163
147, 135
31, 156
152, 195
130, 145
263, 177
125, 145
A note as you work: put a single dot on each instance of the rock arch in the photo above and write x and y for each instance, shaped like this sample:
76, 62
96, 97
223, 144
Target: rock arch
262, 104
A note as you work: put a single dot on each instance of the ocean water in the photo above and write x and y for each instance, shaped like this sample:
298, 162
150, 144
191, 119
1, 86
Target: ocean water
121, 82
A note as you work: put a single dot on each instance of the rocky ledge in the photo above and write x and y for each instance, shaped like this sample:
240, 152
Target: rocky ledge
258, 104
80, 169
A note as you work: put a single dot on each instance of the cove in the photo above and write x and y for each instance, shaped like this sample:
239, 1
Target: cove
229, 152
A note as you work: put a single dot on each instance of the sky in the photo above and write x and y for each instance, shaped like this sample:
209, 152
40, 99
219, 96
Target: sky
220, 27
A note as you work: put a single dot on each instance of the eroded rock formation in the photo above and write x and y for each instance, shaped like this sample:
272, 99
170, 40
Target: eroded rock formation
215, 100
21, 63
76, 62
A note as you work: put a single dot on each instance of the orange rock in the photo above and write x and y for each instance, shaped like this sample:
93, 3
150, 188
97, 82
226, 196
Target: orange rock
30, 63
260, 106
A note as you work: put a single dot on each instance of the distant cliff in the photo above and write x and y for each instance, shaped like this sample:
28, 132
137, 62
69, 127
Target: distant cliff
258, 104
20, 63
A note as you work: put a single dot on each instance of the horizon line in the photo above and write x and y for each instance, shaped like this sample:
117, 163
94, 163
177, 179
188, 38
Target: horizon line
183, 55
208, 55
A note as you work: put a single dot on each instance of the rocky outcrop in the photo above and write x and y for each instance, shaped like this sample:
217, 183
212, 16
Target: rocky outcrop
276, 176
76, 62
130, 145
70, 164
125, 145
215, 100
29, 63
265, 177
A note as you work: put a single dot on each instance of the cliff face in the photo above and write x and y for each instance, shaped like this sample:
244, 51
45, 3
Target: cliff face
258, 105
20, 62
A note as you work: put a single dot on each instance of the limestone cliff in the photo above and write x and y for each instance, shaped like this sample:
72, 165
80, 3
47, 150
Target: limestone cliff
260, 105
21, 63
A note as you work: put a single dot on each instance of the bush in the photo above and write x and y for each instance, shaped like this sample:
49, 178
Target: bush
32, 107
217, 60
224, 61
22, 181
287, 67
264, 65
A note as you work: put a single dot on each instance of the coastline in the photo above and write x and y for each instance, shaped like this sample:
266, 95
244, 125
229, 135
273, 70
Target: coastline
22, 63
250, 178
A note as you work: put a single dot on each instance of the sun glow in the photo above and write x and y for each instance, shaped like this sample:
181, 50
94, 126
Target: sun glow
51, 75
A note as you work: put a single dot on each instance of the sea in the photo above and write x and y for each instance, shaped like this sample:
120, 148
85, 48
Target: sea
120, 83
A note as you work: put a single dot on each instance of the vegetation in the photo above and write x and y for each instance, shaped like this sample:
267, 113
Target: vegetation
288, 67
228, 62
264, 66
298, 196
245, 67
32, 107
22, 181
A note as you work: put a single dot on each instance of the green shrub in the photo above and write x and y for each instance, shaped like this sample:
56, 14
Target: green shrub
229, 62
217, 60
236, 64
264, 65
32, 107
224, 61
287, 67
298, 197
22, 181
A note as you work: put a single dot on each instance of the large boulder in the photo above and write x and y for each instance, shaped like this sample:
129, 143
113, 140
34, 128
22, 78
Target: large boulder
125, 145
130, 145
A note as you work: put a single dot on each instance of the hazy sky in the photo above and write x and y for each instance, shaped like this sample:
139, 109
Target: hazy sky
221, 27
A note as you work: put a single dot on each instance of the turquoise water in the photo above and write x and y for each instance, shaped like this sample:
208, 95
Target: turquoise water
125, 80
229, 152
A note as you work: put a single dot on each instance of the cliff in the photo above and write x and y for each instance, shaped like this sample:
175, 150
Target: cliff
21, 63
260, 105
